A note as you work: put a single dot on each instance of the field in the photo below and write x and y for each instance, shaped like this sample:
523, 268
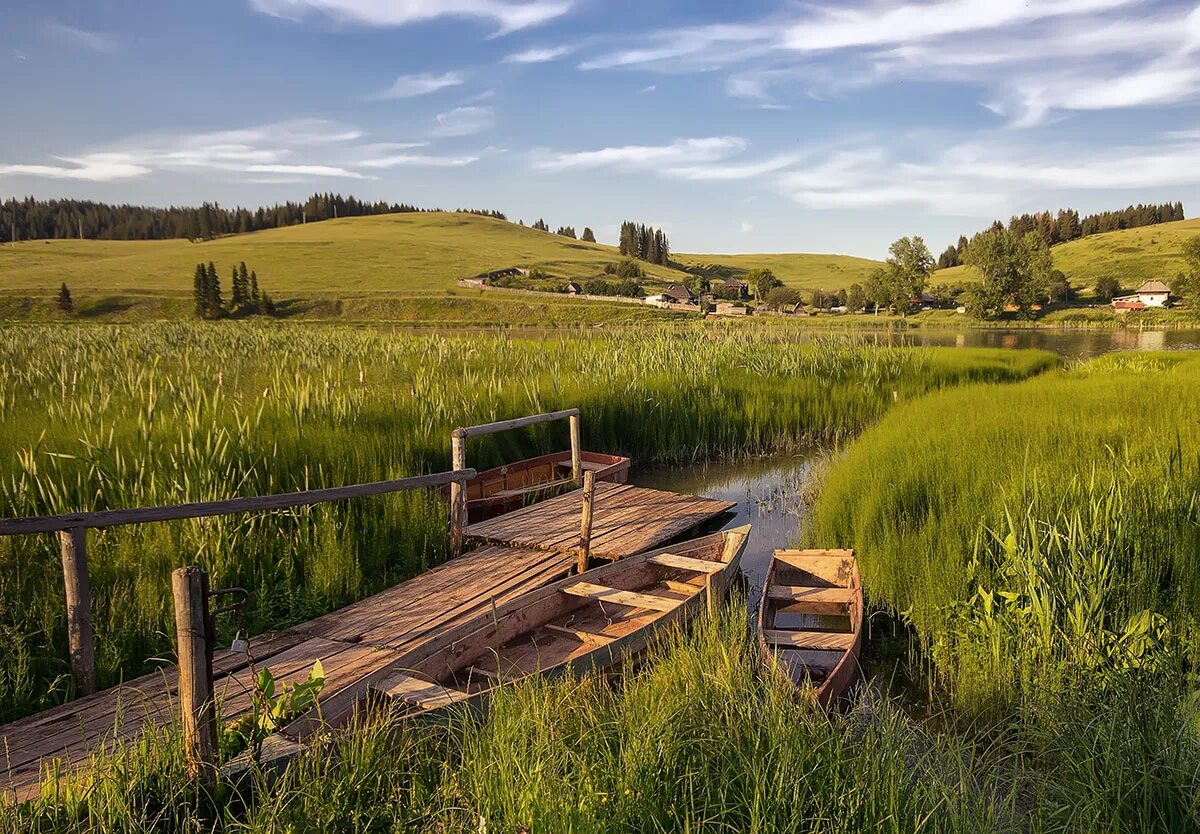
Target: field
362, 268
803, 271
1132, 256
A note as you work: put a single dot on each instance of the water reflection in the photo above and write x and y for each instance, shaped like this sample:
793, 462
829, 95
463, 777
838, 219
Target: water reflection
1073, 344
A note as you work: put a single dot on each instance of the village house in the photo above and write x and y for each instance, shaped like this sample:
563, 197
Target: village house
572, 288
678, 294
1150, 294
731, 288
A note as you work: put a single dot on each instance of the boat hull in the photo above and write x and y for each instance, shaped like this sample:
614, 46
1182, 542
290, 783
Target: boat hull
503, 489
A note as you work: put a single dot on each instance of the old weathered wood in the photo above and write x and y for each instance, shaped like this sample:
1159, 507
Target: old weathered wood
585, 521
458, 494
73, 547
202, 509
617, 596
192, 631
516, 423
576, 448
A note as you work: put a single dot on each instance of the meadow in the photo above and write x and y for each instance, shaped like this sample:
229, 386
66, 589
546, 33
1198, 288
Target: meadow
1035, 526
103, 417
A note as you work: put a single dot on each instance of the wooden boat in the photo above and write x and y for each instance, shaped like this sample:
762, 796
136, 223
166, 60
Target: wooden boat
811, 618
510, 487
593, 620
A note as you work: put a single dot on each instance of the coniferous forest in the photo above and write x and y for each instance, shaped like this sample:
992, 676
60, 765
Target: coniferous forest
644, 243
33, 219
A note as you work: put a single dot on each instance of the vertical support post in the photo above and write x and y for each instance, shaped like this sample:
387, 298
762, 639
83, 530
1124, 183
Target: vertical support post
710, 587
73, 547
458, 493
585, 523
576, 454
193, 633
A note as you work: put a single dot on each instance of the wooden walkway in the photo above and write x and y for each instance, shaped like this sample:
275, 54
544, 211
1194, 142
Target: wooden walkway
520, 551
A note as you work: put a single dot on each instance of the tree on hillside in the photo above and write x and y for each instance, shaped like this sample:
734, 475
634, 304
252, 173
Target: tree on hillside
255, 296
783, 298
212, 291
1106, 288
856, 298
903, 276
200, 290
541, 226
239, 293
566, 231
587, 235
1060, 289
1015, 271
762, 281
64, 299
1187, 283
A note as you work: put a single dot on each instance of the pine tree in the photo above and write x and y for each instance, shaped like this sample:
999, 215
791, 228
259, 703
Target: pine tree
240, 291
200, 290
212, 290
255, 297
64, 299
587, 235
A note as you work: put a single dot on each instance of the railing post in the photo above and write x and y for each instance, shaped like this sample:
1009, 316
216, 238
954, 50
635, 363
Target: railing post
193, 632
585, 523
73, 547
576, 454
458, 493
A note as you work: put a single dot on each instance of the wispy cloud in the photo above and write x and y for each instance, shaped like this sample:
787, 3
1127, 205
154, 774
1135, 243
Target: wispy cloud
417, 160
464, 121
422, 84
100, 42
95, 167
1107, 53
538, 55
637, 157
507, 16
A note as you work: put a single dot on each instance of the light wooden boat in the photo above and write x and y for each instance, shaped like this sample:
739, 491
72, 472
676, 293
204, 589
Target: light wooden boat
593, 620
811, 618
506, 488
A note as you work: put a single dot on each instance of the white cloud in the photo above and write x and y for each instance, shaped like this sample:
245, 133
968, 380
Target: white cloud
96, 167
679, 152
538, 55
407, 86
464, 121
508, 16
101, 42
403, 160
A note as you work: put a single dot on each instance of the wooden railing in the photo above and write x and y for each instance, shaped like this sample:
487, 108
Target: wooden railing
458, 456
72, 532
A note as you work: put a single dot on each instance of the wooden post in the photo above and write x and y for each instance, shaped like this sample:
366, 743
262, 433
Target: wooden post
193, 632
73, 547
576, 454
458, 493
710, 600
585, 524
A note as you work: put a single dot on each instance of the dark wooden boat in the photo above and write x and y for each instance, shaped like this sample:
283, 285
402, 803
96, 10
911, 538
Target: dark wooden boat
811, 619
594, 620
510, 487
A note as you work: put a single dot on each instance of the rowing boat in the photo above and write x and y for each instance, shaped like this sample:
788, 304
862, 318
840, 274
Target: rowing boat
593, 620
506, 488
811, 619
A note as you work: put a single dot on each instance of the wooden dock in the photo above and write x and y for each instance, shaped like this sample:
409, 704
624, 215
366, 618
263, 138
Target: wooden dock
516, 552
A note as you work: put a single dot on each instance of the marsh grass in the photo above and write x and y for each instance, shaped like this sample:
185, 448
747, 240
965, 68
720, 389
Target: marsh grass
107, 417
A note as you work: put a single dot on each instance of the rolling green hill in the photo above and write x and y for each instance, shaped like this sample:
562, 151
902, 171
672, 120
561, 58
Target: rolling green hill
800, 270
1130, 255
390, 266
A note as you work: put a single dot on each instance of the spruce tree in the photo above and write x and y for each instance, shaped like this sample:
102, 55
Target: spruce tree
255, 298
587, 235
212, 290
64, 299
200, 290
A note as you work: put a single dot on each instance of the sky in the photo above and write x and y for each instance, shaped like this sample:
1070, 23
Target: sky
823, 126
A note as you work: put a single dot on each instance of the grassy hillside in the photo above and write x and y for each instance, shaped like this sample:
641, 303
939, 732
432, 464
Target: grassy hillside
797, 269
1131, 256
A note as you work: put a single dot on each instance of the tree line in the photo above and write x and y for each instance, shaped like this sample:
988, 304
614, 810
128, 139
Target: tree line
1066, 225
645, 243
245, 296
33, 219
564, 231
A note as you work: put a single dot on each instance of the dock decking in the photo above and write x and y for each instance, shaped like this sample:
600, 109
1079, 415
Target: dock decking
519, 551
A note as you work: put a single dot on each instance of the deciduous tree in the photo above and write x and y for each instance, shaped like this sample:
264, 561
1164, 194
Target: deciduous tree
1015, 271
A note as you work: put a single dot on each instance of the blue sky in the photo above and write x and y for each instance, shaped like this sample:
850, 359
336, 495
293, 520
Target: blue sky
758, 126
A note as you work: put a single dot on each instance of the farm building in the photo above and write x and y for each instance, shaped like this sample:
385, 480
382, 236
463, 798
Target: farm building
732, 288
572, 288
1149, 294
678, 294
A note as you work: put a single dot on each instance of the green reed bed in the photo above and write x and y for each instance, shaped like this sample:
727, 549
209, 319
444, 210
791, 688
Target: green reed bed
101, 417
700, 738
1041, 537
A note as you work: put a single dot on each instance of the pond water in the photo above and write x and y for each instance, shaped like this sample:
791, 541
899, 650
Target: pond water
1073, 344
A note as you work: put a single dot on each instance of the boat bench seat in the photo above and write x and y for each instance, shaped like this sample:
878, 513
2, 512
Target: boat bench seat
414, 690
670, 560
630, 599
831, 641
807, 593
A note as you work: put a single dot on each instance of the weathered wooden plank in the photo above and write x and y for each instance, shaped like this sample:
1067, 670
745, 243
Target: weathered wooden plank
805, 593
812, 640
630, 599
670, 560
515, 423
